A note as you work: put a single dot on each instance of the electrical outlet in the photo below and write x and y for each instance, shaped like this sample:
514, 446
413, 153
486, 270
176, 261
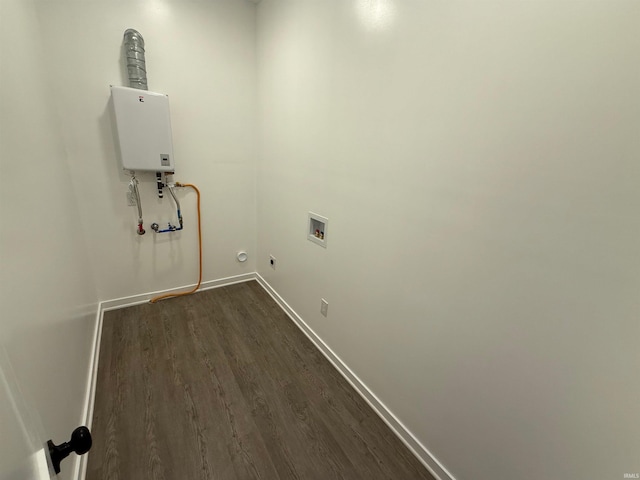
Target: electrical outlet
324, 306
272, 261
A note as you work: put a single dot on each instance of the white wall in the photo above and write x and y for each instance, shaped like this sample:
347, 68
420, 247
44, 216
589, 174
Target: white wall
200, 53
479, 166
47, 297
68, 236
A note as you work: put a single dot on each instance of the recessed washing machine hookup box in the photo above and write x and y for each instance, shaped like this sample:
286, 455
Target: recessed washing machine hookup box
143, 129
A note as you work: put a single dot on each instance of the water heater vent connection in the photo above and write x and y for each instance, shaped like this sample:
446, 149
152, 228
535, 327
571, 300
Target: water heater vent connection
136, 63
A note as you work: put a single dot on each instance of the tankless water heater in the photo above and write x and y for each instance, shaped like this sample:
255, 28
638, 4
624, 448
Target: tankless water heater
143, 129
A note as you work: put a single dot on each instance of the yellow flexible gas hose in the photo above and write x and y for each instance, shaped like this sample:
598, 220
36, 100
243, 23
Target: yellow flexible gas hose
180, 294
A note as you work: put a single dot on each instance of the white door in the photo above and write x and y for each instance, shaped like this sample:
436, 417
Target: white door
23, 450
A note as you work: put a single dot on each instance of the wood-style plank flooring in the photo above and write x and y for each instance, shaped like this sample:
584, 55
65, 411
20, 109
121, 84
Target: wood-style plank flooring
222, 385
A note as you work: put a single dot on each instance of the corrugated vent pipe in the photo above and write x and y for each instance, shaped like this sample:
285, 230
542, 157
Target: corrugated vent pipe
134, 53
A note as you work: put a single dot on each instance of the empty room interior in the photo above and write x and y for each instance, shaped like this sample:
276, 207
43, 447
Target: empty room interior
317, 239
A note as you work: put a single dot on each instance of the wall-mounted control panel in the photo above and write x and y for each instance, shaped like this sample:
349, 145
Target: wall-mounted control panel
143, 127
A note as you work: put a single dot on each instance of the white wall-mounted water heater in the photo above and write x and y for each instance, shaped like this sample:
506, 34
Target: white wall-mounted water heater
143, 129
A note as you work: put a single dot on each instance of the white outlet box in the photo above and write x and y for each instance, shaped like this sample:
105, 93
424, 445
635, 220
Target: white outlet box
324, 307
317, 231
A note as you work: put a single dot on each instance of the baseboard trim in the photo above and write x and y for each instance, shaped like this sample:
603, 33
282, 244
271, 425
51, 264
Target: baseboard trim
402, 432
80, 465
145, 297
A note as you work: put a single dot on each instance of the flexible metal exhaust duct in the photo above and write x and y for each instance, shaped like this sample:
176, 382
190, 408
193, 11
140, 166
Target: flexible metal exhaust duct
134, 53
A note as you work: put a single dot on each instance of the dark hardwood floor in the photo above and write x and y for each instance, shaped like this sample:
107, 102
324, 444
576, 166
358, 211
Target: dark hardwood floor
222, 385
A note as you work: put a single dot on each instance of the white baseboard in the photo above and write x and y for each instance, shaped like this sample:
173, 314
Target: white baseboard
413, 444
80, 464
396, 426
145, 297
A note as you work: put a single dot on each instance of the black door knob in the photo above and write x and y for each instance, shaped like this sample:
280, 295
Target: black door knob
80, 443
